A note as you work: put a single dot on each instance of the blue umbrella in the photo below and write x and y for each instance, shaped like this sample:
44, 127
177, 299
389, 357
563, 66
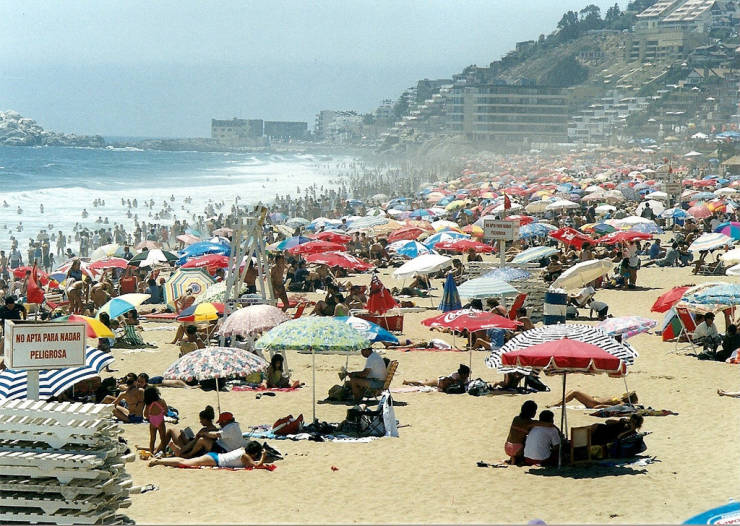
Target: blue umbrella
533, 230
450, 297
507, 274
291, 242
204, 247
724, 294
421, 212
646, 228
446, 235
410, 249
52, 382
371, 331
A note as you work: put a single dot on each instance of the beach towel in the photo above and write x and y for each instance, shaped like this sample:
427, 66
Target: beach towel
414, 389
622, 410
160, 316
268, 467
264, 432
261, 388
433, 349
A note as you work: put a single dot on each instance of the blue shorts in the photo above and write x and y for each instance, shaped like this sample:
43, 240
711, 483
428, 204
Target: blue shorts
133, 419
156, 380
214, 456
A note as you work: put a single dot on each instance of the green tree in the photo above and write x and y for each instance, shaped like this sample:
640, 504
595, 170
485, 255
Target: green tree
568, 26
590, 17
612, 14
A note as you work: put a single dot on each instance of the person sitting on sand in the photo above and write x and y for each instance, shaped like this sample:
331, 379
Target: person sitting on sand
614, 429
511, 381
456, 382
706, 335
129, 405
372, 375
554, 268
192, 340
328, 306
181, 444
596, 402
228, 438
520, 428
275, 376
250, 456
521, 316
543, 441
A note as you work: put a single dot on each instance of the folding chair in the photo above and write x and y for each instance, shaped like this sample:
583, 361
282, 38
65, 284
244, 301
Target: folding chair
688, 326
580, 443
390, 371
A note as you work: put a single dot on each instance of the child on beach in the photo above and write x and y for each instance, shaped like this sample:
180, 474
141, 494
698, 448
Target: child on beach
155, 410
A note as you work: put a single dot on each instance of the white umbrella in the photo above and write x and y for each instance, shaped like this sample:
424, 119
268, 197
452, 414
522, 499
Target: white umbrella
692, 153
422, 265
731, 257
486, 288
583, 273
734, 270
658, 195
537, 207
657, 206
561, 204
725, 191
605, 209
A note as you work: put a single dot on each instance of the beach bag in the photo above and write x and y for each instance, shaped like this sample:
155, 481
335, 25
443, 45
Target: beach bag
338, 393
533, 382
478, 387
287, 425
628, 446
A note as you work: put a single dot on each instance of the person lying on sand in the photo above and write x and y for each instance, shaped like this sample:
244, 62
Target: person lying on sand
722, 392
455, 382
595, 402
250, 456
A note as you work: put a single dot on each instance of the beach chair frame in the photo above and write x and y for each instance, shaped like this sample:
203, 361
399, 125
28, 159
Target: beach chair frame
390, 372
688, 326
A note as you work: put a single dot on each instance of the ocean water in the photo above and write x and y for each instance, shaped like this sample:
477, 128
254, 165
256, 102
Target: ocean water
66, 180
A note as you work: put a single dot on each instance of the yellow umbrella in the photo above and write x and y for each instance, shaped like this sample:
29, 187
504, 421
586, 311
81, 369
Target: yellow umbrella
454, 205
95, 328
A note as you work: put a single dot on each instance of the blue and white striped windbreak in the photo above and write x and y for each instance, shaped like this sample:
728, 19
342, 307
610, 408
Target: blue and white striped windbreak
13, 382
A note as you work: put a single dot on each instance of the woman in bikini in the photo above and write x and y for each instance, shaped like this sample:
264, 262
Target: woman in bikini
155, 410
520, 427
250, 456
597, 402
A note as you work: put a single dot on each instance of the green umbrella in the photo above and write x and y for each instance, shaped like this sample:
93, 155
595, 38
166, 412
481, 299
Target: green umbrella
323, 335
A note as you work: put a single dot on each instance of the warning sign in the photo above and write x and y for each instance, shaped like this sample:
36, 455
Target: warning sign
30, 345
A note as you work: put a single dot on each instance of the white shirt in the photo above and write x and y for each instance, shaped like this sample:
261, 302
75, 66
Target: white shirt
703, 330
376, 365
231, 437
540, 442
232, 459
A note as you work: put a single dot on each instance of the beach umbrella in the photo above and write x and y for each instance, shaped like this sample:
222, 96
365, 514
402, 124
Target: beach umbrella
217, 292
657, 195
716, 294
700, 211
656, 206
534, 254
53, 382
671, 326
188, 239
486, 287
463, 245
109, 262
450, 297
647, 228
443, 224
106, 251
64, 268
534, 230
297, 222
314, 334
423, 264
733, 270
148, 245
507, 274
277, 217
291, 242
339, 259
561, 204
252, 320
710, 241
668, 299
210, 262
148, 258
730, 229
372, 331
572, 331
422, 212
197, 280
205, 311
605, 209
470, 320
122, 304
626, 326
571, 237
365, 222
43, 277
409, 249
203, 247
583, 273
726, 514
215, 363
93, 327
333, 237
315, 247
379, 300
446, 235
565, 356
406, 233
623, 236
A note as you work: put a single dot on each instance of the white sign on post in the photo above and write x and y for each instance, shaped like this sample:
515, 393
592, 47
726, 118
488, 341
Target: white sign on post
34, 346
672, 189
500, 230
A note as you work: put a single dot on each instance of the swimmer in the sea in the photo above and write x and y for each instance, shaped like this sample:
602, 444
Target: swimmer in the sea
20, 210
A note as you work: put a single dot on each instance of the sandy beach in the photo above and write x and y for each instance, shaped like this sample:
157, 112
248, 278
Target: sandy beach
429, 473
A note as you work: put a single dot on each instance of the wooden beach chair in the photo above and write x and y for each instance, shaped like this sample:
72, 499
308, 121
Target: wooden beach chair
580, 445
688, 326
390, 371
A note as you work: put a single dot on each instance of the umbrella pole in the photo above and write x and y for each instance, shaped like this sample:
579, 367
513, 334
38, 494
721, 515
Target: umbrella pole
218, 397
627, 390
313, 381
563, 423
470, 352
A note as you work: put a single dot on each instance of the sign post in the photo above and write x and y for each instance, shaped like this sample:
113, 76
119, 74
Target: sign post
502, 231
34, 346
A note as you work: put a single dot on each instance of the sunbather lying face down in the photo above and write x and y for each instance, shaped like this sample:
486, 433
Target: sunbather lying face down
252, 455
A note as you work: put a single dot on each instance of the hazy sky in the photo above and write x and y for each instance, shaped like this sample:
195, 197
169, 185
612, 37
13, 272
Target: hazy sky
165, 68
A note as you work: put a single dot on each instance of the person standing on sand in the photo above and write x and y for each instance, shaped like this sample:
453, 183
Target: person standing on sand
277, 273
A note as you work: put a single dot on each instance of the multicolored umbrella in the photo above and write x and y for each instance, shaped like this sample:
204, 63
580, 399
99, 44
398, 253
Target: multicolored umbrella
252, 320
333, 237
710, 241
450, 297
53, 382
217, 293
371, 331
201, 312
409, 249
627, 326
485, 287
122, 304
445, 235
718, 294
64, 268
571, 237
463, 245
291, 242
94, 328
203, 247
196, 280
215, 362
408, 233
730, 229
623, 236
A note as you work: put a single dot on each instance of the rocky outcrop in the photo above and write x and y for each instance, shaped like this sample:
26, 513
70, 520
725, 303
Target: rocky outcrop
16, 130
